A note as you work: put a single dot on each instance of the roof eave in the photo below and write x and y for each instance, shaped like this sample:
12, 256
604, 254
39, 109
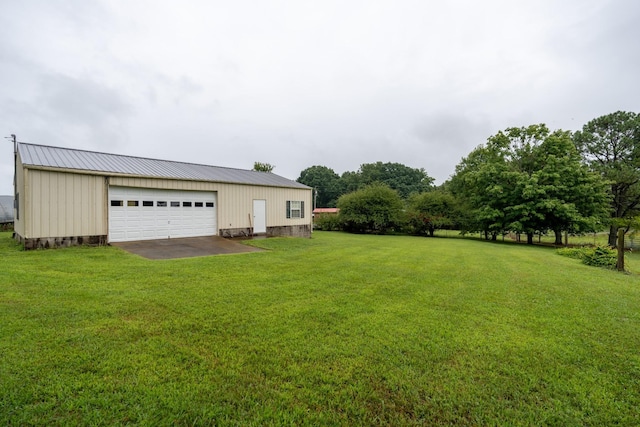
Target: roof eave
127, 175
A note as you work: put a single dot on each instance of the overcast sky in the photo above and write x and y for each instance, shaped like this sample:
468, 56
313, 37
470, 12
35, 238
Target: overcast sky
298, 83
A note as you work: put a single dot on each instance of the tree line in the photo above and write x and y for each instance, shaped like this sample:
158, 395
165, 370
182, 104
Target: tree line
329, 186
527, 180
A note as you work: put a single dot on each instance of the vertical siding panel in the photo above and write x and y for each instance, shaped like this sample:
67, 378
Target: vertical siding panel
35, 204
34, 192
44, 214
74, 205
96, 204
87, 205
45, 207
45, 203
51, 185
61, 198
77, 206
69, 205
43, 200
84, 230
28, 204
100, 188
26, 195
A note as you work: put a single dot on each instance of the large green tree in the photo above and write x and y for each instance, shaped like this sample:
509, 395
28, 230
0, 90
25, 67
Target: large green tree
375, 208
430, 211
482, 182
611, 146
404, 179
350, 181
325, 182
572, 198
529, 180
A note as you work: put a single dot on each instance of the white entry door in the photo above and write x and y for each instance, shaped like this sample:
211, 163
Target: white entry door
147, 214
259, 216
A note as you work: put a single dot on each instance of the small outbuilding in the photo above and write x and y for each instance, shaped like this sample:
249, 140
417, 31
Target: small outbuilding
326, 211
66, 196
6, 212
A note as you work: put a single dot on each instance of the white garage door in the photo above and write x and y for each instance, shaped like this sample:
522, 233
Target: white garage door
147, 214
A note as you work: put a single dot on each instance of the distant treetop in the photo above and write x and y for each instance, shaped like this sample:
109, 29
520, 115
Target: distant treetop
263, 167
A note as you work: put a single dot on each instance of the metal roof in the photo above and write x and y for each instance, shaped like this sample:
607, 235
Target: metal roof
81, 160
6, 209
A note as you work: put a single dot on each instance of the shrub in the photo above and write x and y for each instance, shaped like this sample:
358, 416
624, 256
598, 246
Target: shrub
576, 253
327, 222
601, 256
372, 209
597, 256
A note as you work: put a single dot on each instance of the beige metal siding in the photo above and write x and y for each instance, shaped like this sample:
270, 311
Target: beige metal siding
235, 201
61, 204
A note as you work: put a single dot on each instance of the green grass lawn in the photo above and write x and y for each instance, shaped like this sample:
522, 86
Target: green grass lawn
335, 330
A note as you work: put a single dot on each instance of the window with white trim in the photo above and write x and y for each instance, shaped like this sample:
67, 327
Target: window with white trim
295, 209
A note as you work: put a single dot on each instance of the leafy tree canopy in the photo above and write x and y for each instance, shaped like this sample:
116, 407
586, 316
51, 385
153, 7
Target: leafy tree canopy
263, 167
404, 179
430, 211
325, 182
529, 180
611, 146
373, 209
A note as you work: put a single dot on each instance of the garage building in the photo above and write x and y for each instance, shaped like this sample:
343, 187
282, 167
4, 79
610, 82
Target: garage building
66, 197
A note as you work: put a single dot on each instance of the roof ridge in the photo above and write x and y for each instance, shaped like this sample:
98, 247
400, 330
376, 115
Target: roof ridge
142, 158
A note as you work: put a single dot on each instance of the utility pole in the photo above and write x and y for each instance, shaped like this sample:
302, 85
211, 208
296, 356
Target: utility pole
16, 202
315, 198
15, 170
15, 165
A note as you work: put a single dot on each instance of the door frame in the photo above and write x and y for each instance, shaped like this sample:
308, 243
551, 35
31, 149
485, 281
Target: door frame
259, 216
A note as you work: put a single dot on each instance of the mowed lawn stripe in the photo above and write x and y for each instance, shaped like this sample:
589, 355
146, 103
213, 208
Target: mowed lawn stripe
335, 330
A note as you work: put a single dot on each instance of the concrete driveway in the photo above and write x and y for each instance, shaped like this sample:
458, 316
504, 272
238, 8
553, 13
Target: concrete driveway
184, 247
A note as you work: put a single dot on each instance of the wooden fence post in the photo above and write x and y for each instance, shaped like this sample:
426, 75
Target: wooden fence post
620, 263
